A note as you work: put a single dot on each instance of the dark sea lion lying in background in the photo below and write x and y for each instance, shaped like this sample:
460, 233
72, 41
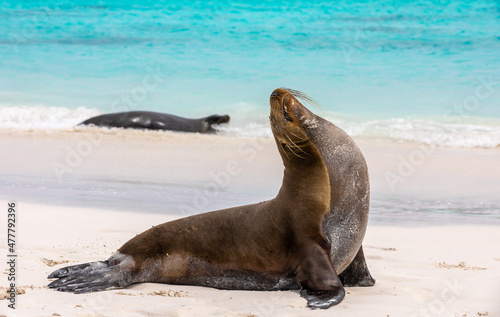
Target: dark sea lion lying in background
301, 239
156, 121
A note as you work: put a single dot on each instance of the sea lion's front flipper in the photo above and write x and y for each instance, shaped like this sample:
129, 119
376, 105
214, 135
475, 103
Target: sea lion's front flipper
322, 299
321, 286
357, 273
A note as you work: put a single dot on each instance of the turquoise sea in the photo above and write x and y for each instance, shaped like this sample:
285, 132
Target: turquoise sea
424, 71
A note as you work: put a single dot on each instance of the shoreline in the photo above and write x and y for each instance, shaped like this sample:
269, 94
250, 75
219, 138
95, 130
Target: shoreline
221, 134
175, 173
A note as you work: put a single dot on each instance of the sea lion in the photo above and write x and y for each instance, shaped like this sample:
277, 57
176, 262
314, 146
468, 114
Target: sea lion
345, 224
274, 245
156, 121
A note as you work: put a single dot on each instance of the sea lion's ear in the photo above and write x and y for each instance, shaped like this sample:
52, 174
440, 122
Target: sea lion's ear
216, 119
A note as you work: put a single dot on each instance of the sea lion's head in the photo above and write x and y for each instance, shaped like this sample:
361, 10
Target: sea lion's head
214, 119
289, 121
291, 124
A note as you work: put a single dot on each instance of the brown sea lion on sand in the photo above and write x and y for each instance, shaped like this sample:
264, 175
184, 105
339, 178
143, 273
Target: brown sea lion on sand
275, 245
345, 224
156, 121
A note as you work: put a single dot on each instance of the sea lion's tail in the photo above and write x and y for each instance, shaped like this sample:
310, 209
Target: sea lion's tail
92, 276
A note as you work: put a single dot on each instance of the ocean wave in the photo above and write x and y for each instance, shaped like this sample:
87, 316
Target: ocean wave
471, 132
43, 117
250, 121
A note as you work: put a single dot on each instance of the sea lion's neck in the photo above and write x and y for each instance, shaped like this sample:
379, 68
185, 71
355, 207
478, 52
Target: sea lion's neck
306, 177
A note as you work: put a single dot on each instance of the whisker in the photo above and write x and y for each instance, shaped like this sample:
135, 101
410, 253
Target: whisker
284, 151
298, 137
290, 148
301, 150
304, 97
297, 147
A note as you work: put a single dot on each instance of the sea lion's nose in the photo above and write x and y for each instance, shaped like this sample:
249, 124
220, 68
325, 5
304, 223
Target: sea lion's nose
275, 94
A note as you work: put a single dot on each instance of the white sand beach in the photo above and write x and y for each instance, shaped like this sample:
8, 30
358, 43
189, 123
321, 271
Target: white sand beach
415, 83
444, 266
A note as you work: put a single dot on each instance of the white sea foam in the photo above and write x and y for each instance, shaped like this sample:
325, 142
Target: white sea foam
252, 121
42, 117
247, 120
469, 133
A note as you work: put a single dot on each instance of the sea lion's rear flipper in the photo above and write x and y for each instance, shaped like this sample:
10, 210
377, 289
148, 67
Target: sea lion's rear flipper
357, 273
321, 286
91, 277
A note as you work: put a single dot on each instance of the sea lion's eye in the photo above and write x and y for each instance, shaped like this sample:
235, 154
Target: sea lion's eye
285, 114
